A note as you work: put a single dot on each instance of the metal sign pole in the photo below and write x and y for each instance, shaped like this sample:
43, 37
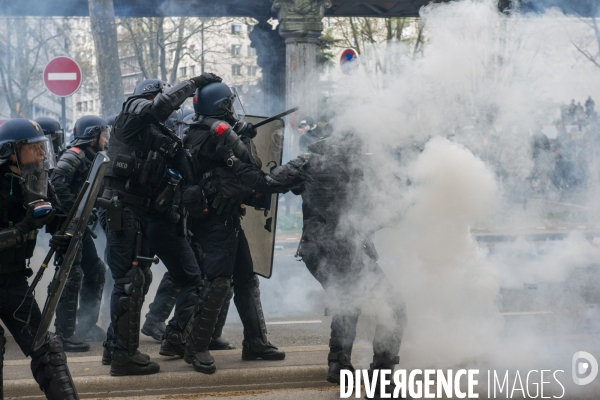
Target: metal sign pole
63, 121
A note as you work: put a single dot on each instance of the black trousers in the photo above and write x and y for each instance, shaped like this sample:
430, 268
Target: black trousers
13, 288
158, 237
351, 278
224, 249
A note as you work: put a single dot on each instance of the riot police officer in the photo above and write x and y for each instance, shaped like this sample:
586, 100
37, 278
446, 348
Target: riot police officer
87, 276
219, 241
52, 128
343, 260
24, 192
163, 304
141, 218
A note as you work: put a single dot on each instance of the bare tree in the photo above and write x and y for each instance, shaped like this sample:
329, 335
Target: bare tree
591, 55
160, 44
104, 31
26, 45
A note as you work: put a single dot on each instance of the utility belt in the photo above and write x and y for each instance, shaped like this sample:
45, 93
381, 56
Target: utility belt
13, 258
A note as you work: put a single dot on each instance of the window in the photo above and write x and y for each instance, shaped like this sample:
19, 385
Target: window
236, 70
78, 107
91, 105
236, 49
183, 71
193, 70
236, 29
252, 70
251, 51
85, 106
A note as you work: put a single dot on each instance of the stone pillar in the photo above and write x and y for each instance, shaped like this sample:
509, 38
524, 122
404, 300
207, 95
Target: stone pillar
300, 25
270, 51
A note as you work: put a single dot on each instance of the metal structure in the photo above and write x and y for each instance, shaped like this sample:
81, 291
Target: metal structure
262, 9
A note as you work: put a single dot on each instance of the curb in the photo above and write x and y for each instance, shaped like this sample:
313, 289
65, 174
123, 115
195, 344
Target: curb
182, 382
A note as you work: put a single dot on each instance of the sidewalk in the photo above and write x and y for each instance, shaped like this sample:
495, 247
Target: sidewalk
304, 366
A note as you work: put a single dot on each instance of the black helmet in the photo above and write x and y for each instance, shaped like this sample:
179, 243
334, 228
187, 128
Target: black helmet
214, 100
110, 120
14, 136
87, 128
150, 86
57, 134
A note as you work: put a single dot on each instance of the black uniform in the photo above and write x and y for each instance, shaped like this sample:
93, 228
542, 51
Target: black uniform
141, 149
161, 307
214, 205
87, 275
49, 363
343, 260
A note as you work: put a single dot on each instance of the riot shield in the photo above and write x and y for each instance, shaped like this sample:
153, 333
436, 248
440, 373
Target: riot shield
76, 231
259, 224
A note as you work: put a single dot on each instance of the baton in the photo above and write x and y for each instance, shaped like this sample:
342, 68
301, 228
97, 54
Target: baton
62, 231
274, 117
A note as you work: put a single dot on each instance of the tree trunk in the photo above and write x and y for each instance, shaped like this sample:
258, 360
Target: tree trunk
104, 31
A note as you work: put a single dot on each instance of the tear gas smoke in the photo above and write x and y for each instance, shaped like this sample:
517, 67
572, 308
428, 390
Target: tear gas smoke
487, 81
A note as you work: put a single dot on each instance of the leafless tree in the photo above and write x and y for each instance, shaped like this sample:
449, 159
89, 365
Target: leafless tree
26, 46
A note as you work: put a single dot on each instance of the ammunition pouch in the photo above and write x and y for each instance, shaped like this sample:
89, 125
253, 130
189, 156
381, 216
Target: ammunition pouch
16, 248
195, 202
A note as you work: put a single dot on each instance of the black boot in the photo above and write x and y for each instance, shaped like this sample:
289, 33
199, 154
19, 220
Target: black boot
126, 359
255, 344
172, 345
108, 352
74, 344
384, 362
255, 348
161, 307
50, 370
154, 328
339, 359
179, 328
212, 296
66, 311
218, 342
90, 298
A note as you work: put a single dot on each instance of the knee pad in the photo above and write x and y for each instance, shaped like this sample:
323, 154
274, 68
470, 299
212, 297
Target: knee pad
49, 367
74, 279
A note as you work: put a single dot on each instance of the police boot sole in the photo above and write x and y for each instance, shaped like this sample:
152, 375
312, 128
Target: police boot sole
333, 378
249, 356
137, 370
76, 349
199, 367
106, 361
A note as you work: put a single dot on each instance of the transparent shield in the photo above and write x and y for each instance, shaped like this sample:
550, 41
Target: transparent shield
259, 224
237, 104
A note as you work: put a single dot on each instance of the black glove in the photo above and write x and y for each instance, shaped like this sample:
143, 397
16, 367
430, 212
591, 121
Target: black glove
60, 243
224, 151
30, 223
244, 128
205, 79
93, 217
165, 145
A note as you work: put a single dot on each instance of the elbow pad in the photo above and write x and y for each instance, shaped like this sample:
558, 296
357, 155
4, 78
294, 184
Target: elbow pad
168, 101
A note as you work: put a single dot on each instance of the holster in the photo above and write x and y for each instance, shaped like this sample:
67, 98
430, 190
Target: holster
114, 215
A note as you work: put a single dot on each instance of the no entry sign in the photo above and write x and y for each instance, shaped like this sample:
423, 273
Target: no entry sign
349, 61
62, 76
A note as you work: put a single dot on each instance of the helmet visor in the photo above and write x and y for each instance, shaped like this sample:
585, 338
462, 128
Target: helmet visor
34, 160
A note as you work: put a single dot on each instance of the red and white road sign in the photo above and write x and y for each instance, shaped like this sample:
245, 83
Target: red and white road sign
62, 76
349, 61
